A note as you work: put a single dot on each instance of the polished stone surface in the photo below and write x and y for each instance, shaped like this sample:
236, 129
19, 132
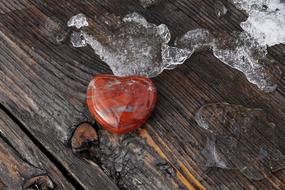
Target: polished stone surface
121, 104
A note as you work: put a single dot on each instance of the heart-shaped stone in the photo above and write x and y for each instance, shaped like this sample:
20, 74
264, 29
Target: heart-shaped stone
121, 104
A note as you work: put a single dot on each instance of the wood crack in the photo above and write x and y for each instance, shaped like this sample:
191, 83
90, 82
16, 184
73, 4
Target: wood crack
6, 140
61, 168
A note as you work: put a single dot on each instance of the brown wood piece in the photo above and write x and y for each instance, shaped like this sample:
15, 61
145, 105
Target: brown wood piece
22, 164
43, 83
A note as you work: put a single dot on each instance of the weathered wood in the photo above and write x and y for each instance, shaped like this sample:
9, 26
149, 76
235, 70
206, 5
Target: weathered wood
21, 160
43, 83
133, 164
51, 132
64, 130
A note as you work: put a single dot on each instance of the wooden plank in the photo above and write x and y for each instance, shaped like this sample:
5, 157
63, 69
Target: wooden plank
54, 137
31, 68
21, 160
49, 82
92, 176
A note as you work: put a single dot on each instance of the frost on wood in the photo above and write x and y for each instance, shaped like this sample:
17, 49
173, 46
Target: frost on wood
266, 20
136, 47
238, 50
220, 9
240, 138
78, 21
77, 39
148, 3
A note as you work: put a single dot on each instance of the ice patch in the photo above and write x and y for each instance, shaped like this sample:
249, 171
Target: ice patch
78, 21
238, 50
266, 20
133, 46
78, 39
136, 47
234, 140
148, 3
220, 9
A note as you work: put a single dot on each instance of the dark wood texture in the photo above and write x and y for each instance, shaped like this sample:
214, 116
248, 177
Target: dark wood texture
21, 160
43, 84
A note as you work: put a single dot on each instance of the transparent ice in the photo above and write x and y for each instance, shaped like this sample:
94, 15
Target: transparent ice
136, 47
148, 3
54, 30
234, 140
78, 21
220, 8
78, 39
264, 17
242, 52
195, 40
238, 50
133, 46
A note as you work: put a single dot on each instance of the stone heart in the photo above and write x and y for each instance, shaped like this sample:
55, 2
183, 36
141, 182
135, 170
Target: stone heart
121, 104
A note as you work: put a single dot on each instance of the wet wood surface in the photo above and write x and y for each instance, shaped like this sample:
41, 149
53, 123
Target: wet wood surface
42, 89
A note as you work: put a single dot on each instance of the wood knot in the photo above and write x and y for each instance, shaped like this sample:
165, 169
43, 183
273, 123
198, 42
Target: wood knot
42, 182
83, 137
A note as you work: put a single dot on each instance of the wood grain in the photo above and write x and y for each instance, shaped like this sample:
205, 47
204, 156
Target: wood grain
21, 160
43, 83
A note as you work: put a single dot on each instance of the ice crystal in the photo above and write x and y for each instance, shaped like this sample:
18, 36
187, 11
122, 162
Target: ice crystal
242, 52
78, 39
238, 50
133, 46
78, 21
195, 40
148, 3
264, 17
54, 30
234, 140
136, 47
220, 9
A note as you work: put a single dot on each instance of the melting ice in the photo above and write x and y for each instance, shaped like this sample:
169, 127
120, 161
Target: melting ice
78, 21
220, 8
238, 50
246, 51
148, 3
133, 46
266, 20
240, 138
136, 47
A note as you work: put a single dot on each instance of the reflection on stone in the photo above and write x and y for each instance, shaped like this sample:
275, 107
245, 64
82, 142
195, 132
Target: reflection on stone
121, 104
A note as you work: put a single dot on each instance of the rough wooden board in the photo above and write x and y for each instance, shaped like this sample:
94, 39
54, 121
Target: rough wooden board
51, 133
128, 159
133, 164
60, 74
63, 133
21, 159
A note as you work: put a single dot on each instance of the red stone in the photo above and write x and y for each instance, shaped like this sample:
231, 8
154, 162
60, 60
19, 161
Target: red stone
121, 104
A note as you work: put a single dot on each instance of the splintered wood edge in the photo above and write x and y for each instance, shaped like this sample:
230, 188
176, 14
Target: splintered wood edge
144, 134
